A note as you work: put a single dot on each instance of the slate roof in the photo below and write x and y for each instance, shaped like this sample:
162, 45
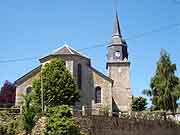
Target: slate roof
116, 31
116, 35
28, 75
65, 50
102, 75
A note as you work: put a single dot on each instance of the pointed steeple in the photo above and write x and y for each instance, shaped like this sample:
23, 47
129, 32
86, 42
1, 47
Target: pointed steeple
116, 31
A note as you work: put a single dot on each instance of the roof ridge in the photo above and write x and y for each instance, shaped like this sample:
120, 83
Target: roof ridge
77, 51
69, 48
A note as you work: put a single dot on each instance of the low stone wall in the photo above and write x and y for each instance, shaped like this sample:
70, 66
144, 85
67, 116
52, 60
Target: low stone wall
99, 125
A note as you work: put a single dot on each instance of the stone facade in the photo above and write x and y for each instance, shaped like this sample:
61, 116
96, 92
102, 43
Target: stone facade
100, 125
25, 82
122, 98
106, 84
96, 89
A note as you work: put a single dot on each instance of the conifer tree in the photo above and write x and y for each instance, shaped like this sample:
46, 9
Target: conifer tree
164, 87
58, 85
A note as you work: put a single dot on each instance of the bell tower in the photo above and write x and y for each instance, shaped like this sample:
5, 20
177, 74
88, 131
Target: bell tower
118, 68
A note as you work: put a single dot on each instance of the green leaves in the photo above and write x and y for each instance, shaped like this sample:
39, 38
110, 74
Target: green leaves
9, 124
58, 85
61, 122
36, 95
165, 90
27, 118
139, 104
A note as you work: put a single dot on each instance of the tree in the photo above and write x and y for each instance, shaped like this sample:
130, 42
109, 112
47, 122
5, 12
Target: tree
8, 92
164, 87
27, 118
36, 95
139, 103
61, 122
58, 86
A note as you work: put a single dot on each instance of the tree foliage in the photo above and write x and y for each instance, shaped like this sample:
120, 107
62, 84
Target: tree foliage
7, 94
36, 95
164, 87
22, 123
139, 104
59, 89
9, 124
58, 85
61, 122
27, 118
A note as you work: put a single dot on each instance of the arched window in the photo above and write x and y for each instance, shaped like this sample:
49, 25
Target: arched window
79, 79
98, 94
28, 90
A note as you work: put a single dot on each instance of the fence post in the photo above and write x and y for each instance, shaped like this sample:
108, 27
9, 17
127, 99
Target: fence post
119, 114
83, 111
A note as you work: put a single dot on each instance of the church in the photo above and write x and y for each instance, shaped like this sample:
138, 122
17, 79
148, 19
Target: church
97, 90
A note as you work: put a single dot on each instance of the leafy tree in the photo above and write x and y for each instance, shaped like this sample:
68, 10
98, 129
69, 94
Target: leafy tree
139, 104
8, 92
36, 95
165, 86
27, 118
61, 122
58, 85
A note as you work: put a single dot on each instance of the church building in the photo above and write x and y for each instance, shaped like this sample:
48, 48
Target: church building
97, 89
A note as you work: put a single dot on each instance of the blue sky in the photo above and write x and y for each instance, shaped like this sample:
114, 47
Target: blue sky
37, 27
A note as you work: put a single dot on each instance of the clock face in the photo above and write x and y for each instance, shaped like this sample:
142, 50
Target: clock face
117, 54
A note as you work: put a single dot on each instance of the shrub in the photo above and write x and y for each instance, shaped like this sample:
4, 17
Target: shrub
9, 124
61, 122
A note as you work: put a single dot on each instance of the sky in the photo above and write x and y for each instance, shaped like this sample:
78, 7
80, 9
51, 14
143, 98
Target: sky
32, 29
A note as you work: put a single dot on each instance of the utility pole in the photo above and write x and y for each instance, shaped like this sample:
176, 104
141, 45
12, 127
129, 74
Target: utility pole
42, 91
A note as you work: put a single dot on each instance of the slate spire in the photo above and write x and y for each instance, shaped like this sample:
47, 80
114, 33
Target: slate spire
116, 31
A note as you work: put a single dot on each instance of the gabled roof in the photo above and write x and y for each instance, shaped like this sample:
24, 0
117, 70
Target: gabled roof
102, 75
64, 50
28, 75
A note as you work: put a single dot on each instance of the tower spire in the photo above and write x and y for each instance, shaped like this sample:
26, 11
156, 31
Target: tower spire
116, 31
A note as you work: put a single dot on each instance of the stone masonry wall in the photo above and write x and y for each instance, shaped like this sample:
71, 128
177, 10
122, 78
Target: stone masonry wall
106, 91
97, 125
122, 96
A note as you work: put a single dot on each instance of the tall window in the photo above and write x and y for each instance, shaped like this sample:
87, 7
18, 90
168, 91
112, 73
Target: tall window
79, 79
28, 90
98, 94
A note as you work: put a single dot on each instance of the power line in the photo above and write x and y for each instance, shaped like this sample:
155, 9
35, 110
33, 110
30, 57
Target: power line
18, 59
162, 28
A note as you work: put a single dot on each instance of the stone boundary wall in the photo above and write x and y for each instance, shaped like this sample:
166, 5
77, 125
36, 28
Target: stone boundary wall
100, 125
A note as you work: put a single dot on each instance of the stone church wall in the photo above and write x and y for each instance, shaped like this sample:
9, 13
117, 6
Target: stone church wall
99, 125
106, 91
21, 89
